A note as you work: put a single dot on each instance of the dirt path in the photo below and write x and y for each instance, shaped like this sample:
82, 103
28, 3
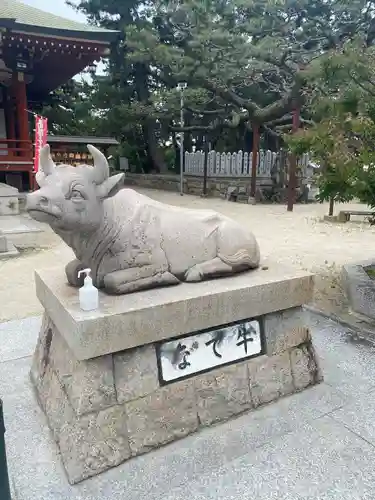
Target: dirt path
299, 239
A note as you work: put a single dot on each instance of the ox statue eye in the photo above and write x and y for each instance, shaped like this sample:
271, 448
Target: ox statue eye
76, 195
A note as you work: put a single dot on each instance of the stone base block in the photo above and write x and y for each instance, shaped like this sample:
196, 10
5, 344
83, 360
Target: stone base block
359, 284
105, 409
331, 218
9, 204
7, 249
3, 243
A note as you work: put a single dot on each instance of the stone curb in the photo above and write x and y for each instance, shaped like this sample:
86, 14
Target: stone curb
366, 334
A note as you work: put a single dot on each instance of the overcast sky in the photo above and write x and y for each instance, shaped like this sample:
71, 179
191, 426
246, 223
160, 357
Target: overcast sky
57, 7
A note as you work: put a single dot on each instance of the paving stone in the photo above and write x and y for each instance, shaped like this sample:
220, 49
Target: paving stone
286, 329
347, 362
222, 393
167, 414
359, 416
136, 373
322, 461
34, 463
18, 338
270, 378
14, 377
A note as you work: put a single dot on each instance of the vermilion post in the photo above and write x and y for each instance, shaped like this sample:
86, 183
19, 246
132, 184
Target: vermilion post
19, 86
254, 163
9, 115
293, 165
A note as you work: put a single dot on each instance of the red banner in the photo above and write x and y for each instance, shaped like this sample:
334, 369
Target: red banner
41, 126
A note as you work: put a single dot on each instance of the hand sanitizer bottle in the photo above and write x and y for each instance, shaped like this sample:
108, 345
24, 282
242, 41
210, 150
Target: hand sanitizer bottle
88, 294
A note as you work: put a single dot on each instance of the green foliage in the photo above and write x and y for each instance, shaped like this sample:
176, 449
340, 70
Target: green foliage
343, 136
245, 62
365, 180
331, 144
69, 110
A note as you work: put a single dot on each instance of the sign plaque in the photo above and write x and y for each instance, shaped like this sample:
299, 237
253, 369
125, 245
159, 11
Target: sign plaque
203, 351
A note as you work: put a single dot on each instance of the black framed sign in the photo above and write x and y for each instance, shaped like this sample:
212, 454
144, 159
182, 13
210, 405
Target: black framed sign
202, 351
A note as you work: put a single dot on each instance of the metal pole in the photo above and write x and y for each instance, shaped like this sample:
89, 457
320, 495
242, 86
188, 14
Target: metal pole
293, 165
4, 477
205, 165
182, 143
254, 163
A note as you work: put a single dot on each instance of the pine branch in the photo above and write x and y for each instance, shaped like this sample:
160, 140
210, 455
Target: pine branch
206, 112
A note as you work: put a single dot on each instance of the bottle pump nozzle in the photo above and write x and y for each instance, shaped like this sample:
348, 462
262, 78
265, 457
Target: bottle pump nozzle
87, 277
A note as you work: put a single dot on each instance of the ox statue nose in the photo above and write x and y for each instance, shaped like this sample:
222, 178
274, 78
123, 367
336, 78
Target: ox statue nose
36, 201
41, 208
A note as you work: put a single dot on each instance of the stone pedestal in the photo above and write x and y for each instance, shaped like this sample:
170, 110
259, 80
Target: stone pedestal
98, 375
7, 249
9, 204
359, 284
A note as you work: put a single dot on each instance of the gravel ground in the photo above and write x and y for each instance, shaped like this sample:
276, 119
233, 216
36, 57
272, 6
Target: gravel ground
298, 239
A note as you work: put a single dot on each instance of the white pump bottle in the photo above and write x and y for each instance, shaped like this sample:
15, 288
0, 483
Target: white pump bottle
88, 294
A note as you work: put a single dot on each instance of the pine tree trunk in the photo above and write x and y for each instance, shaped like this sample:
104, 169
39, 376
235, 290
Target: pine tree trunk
155, 154
331, 204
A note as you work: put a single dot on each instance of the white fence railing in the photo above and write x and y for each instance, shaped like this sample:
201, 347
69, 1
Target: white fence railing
235, 164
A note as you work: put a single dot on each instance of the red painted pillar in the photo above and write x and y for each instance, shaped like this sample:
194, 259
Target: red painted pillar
9, 121
254, 162
9, 114
293, 165
22, 117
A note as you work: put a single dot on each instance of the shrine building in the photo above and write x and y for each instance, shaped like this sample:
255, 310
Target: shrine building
39, 52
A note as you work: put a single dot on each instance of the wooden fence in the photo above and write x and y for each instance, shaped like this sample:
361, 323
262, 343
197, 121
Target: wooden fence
235, 164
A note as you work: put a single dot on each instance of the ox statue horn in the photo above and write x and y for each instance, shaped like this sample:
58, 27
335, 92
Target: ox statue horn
101, 169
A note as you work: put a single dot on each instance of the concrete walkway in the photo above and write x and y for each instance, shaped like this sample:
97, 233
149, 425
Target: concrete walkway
319, 444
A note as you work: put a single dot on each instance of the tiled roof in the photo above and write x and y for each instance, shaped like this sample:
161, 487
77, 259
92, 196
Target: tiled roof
84, 140
26, 15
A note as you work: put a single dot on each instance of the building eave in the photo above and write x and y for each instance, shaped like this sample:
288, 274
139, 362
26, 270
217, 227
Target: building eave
100, 37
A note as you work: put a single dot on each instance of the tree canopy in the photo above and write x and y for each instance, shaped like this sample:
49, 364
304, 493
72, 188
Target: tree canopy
245, 62
343, 132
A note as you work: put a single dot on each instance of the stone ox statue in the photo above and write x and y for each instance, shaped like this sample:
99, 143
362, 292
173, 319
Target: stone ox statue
130, 241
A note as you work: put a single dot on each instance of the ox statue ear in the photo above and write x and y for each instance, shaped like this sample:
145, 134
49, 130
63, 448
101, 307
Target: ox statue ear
110, 186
